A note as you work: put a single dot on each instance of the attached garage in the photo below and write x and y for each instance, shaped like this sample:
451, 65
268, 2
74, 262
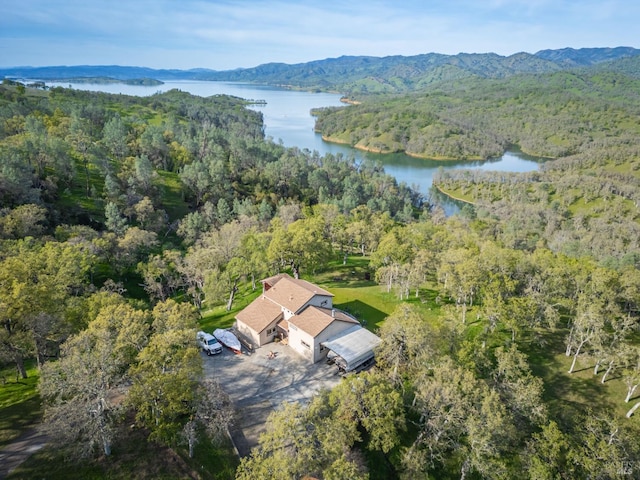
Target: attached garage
313, 326
352, 348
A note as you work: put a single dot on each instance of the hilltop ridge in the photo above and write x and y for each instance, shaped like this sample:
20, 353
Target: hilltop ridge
359, 74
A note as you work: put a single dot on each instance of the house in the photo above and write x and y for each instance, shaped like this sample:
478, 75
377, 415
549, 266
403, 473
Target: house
295, 310
315, 325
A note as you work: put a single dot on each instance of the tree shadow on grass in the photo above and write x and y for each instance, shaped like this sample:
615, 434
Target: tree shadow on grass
584, 369
370, 317
567, 395
610, 377
356, 284
17, 418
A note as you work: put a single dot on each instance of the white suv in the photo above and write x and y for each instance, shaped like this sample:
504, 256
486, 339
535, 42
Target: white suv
208, 343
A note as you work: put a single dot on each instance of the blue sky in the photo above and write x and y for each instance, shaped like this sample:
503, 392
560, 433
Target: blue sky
225, 34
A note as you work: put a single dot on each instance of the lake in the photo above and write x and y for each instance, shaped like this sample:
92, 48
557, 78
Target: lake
287, 119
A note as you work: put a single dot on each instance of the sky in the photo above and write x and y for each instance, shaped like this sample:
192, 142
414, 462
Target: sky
229, 34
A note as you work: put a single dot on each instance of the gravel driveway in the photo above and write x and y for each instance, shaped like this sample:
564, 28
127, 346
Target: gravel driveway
258, 385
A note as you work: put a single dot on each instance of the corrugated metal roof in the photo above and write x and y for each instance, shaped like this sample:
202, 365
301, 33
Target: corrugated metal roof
353, 344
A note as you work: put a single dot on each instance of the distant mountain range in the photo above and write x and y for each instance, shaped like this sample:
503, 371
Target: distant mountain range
364, 74
97, 71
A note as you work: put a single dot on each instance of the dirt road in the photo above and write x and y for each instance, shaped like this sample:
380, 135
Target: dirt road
20, 449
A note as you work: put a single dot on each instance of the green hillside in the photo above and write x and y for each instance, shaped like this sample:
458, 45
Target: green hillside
509, 331
549, 115
362, 75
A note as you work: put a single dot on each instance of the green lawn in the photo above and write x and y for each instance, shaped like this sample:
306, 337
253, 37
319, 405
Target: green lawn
353, 293
19, 402
353, 290
368, 304
568, 395
218, 317
172, 196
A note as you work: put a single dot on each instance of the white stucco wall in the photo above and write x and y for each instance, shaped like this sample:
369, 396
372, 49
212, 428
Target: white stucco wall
296, 339
258, 339
269, 333
308, 346
323, 301
249, 333
329, 332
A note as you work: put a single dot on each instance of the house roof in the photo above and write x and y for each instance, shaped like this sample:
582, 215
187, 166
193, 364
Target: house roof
259, 314
313, 320
292, 293
271, 281
284, 324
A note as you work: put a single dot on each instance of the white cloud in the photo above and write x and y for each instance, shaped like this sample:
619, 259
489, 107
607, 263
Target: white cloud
224, 34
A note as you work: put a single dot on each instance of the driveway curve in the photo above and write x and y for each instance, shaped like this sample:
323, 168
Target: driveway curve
13, 454
258, 383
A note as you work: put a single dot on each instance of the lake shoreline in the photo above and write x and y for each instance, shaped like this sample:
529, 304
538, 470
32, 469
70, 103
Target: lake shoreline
287, 118
380, 151
512, 148
452, 197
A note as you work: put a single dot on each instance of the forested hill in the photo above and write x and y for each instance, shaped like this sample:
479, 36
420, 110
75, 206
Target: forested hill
551, 115
391, 74
361, 74
509, 333
586, 56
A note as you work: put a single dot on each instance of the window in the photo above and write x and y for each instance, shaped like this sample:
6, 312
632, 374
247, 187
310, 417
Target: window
271, 331
305, 344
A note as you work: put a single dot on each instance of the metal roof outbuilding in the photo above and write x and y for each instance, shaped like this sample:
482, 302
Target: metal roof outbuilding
354, 346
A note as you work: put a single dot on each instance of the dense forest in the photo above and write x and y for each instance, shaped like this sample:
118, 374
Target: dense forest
550, 115
513, 346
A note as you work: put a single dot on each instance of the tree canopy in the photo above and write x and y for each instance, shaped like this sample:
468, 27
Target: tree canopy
122, 219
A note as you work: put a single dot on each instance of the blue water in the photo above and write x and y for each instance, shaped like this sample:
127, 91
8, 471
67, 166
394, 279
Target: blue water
288, 120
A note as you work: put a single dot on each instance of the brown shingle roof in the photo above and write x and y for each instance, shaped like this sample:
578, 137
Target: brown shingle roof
314, 320
284, 324
259, 314
271, 281
293, 293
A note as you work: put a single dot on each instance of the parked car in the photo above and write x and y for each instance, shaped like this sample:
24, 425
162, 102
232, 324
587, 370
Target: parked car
208, 343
